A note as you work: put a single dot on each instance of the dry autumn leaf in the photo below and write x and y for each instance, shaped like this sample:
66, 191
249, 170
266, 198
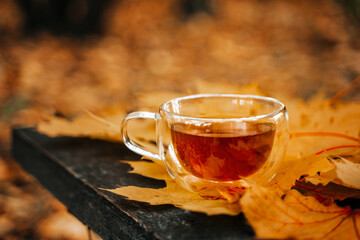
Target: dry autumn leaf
326, 194
294, 216
292, 169
322, 177
173, 193
106, 127
179, 197
348, 172
343, 172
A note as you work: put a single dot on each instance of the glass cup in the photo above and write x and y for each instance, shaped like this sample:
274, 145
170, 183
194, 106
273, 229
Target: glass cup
217, 139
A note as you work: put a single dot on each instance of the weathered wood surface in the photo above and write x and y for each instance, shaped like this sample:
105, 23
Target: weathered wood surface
73, 170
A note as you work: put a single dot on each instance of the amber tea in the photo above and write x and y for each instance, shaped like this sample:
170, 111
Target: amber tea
223, 154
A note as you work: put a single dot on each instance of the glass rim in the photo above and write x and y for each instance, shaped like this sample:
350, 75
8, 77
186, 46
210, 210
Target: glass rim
252, 118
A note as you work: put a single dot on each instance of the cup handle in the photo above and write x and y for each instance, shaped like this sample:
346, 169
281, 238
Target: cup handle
131, 144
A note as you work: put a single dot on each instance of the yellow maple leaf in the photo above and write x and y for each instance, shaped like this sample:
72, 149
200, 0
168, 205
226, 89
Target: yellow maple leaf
81, 126
316, 125
291, 170
294, 216
173, 193
348, 172
105, 126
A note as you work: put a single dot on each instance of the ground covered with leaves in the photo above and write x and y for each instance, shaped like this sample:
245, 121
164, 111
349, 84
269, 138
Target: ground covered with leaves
292, 52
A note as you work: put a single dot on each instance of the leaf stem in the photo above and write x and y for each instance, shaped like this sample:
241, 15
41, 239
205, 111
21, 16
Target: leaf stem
102, 120
322, 134
336, 147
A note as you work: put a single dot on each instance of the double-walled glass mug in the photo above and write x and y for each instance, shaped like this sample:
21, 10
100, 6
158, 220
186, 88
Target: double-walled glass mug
221, 139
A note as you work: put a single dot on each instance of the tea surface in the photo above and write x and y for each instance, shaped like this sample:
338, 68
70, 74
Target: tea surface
221, 154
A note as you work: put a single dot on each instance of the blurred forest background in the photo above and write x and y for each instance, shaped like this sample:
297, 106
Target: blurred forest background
59, 56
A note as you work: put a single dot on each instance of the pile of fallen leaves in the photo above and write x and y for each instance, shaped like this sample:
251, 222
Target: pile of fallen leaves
315, 193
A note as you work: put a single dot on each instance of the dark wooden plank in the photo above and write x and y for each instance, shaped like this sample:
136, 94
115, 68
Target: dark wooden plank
73, 170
